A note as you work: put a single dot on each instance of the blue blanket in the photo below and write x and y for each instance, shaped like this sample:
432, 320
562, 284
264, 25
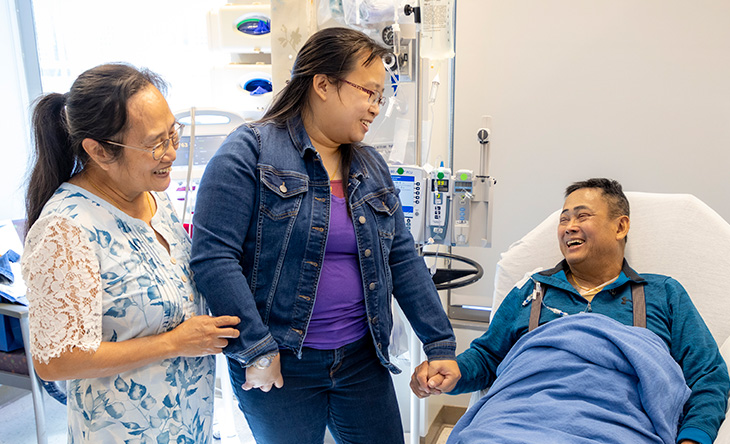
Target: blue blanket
580, 379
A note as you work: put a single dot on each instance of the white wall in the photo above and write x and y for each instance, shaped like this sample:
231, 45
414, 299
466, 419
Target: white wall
13, 118
636, 90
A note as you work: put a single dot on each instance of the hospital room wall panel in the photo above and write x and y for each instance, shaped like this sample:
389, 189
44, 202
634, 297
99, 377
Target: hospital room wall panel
633, 90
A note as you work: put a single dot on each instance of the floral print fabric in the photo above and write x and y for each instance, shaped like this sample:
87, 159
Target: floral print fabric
96, 274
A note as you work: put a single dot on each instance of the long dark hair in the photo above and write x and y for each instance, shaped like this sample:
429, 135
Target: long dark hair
335, 53
95, 108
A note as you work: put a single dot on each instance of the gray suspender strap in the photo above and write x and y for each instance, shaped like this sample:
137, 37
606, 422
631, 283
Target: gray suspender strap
536, 307
638, 300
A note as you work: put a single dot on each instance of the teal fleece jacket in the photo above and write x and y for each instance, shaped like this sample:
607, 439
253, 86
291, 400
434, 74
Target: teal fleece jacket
670, 314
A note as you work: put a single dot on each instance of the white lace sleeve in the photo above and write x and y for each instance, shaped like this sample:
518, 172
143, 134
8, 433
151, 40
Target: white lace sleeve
64, 288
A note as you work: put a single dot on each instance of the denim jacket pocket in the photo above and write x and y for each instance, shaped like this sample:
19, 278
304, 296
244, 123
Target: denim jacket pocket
282, 192
384, 206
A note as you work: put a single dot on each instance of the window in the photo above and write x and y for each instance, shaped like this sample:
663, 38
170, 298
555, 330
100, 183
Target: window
167, 36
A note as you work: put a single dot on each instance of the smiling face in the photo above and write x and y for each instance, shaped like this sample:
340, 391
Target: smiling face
591, 238
361, 112
150, 122
345, 114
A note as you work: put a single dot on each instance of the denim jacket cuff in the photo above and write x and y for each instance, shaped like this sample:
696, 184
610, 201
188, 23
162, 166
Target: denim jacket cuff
441, 350
265, 345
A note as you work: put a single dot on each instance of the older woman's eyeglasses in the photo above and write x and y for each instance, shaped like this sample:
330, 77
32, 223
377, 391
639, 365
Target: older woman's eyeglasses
373, 96
160, 149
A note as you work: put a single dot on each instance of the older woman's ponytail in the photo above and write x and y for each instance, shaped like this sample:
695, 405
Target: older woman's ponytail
54, 159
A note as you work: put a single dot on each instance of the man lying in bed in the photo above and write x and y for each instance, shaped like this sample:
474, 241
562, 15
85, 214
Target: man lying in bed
627, 358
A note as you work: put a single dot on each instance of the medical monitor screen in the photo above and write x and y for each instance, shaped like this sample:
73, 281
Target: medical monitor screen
205, 147
442, 185
405, 184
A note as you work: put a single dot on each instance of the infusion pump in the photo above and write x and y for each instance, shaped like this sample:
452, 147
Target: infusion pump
442, 208
411, 183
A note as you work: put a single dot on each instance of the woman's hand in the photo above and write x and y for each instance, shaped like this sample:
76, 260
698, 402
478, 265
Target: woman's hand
198, 336
434, 378
264, 379
203, 335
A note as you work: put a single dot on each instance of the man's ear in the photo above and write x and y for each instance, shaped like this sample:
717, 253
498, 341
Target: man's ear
97, 153
321, 85
622, 227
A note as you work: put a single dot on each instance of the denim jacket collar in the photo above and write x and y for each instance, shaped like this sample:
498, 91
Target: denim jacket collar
299, 135
302, 142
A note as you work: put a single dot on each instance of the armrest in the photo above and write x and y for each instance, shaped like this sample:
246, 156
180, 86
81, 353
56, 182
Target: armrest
14, 310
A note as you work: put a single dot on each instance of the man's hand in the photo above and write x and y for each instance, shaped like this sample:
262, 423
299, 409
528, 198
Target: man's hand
266, 378
435, 377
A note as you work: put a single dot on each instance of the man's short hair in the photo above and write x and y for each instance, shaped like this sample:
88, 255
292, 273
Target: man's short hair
618, 204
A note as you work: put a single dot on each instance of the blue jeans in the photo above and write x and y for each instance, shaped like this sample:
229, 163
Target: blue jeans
346, 389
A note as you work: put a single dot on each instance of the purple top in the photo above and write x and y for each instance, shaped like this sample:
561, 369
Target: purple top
339, 316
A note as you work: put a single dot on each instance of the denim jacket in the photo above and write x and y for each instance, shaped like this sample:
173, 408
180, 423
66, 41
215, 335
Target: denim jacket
261, 223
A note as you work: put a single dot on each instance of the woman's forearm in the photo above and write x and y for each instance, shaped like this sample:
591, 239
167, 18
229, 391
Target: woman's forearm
109, 359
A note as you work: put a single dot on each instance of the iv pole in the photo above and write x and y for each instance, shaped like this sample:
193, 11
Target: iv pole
416, 404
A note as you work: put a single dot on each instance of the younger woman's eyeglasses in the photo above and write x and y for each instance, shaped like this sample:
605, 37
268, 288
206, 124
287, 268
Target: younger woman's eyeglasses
374, 96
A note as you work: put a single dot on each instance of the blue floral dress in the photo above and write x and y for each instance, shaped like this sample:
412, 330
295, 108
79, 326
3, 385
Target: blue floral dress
96, 274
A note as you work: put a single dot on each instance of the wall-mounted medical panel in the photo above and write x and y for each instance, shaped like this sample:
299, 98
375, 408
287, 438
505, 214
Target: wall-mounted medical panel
240, 28
243, 88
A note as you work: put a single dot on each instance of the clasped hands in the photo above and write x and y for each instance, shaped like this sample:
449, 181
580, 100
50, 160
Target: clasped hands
435, 377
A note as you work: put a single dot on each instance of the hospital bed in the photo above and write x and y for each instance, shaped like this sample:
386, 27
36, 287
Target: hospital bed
672, 234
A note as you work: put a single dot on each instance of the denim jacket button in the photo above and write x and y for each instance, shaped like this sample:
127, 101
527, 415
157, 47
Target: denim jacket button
361, 219
374, 320
372, 286
368, 253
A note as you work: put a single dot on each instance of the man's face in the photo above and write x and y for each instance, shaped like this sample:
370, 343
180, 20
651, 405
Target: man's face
587, 233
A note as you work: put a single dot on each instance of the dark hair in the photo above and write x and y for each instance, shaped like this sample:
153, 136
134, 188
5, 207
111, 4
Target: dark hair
613, 192
335, 53
94, 108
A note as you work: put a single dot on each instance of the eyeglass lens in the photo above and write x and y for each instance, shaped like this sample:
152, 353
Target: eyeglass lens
174, 139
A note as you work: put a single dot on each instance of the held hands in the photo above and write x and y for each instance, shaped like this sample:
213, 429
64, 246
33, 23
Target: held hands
434, 378
203, 335
264, 379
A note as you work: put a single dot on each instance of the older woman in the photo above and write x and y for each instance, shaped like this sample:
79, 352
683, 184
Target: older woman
113, 308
